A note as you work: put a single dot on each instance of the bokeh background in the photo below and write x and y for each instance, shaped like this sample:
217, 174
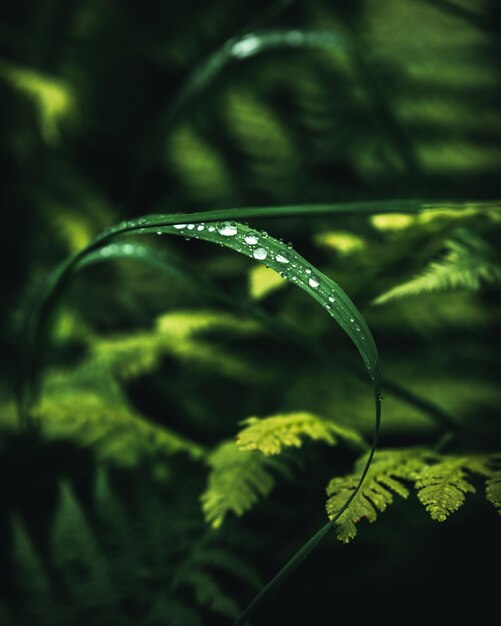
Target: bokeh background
110, 110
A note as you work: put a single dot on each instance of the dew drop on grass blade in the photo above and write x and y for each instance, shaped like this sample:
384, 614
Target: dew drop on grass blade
256, 245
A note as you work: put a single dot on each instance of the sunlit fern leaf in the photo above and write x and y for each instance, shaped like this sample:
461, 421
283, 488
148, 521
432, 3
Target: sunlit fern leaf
111, 428
493, 490
467, 264
442, 487
53, 98
179, 334
236, 482
384, 479
271, 434
87, 403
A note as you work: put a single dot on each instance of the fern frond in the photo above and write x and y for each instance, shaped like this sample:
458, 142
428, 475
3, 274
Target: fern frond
224, 560
180, 614
493, 491
77, 554
464, 266
384, 478
176, 334
32, 575
208, 593
236, 482
442, 487
271, 434
114, 430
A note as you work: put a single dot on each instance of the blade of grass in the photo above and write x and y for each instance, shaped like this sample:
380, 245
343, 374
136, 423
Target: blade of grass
38, 320
293, 563
235, 50
263, 248
280, 329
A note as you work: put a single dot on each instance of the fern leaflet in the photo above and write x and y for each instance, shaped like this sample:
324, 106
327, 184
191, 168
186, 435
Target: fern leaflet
442, 487
493, 491
271, 434
466, 265
383, 479
237, 480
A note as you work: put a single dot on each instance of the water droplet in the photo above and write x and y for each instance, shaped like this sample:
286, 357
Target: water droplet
200, 227
179, 226
191, 226
128, 248
260, 254
264, 234
289, 245
211, 229
313, 282
283, 257
332, 299
328, 306
248, 45
308, 271
251, 238
227, 229
357, 328
352, 319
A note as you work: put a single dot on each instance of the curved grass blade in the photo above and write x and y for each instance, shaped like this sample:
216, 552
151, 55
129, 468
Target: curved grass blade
293, 563
291, 266
245, 47
234, 50
281, 330
265, 249
38, 321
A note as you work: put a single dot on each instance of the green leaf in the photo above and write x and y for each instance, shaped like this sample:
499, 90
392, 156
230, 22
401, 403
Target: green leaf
442, 487
237, 480
249, 242
270, 435
384, 478
466, 264
493, 491
78, 556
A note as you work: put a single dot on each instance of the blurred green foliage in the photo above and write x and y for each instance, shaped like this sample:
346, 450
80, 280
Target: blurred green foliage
157, 386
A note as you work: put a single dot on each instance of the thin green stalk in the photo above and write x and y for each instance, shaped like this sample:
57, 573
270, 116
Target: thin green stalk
39, 321
311, 544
